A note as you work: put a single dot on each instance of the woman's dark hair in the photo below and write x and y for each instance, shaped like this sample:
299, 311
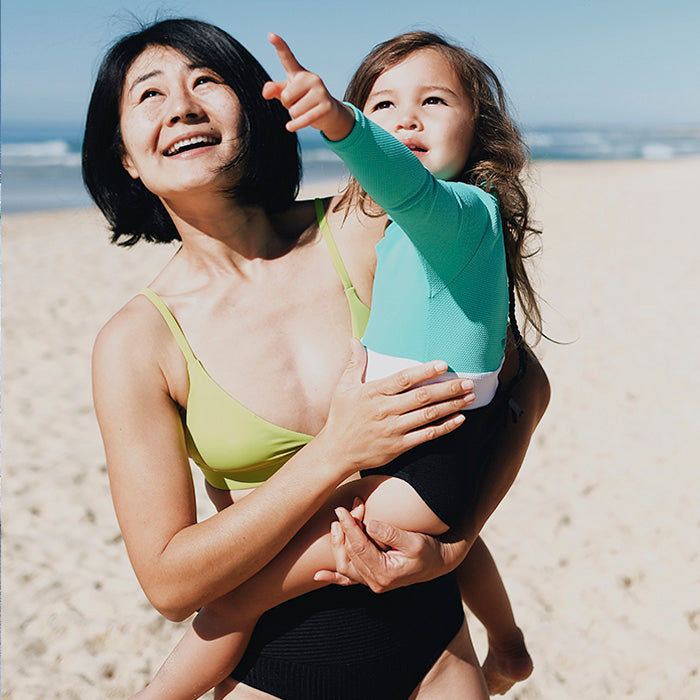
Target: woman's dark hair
268, 161
496, 160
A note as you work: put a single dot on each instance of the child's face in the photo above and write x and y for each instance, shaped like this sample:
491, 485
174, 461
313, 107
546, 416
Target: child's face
422, 103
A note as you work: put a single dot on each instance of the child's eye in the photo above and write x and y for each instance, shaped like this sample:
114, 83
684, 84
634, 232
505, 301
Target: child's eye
434, 100
384, 104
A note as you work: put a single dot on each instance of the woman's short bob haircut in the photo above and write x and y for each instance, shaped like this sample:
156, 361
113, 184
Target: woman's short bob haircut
268, 163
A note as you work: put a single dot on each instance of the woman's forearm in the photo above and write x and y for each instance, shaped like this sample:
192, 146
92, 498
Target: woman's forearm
205, 560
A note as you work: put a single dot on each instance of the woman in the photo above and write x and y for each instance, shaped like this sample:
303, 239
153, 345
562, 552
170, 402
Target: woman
180, 144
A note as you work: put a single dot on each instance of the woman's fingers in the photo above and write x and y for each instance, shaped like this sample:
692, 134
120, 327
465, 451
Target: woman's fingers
342, 562
402, 381
409, 377
368, 561
285, 55
434, 413
435, 400
386, 557
345, 573
431, 421
326, 576
432, 431
358, 509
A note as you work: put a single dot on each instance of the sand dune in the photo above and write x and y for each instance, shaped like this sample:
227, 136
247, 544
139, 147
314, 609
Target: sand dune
598, 540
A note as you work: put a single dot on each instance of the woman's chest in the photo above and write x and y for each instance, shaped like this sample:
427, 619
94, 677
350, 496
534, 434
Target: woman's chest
279, 347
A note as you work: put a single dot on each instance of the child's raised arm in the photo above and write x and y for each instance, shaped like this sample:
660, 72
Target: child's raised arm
306, 98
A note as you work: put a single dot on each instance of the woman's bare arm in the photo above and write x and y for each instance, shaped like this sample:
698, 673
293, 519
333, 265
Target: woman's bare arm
182, 564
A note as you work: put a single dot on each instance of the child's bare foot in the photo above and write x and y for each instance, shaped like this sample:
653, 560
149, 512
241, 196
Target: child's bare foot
506, 663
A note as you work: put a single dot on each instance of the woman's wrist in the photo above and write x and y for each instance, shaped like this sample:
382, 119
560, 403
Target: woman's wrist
331, 459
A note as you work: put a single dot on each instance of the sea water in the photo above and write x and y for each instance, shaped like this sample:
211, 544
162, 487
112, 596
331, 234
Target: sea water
41, 164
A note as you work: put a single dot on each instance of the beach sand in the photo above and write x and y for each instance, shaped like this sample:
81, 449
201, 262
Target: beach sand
598, 540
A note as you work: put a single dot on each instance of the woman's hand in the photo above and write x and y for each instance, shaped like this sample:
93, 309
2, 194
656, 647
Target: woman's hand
369, 424
306, 98
391, 558
384, 557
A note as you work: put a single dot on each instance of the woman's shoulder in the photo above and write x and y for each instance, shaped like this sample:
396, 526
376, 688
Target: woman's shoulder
131, 333
136, 361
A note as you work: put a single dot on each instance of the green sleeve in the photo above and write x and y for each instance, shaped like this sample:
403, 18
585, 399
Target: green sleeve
446, 221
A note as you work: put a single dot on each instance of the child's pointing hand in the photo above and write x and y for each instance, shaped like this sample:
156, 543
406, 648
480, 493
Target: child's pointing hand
306, 98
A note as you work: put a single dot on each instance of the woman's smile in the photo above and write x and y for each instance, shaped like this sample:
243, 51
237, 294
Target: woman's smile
190, 143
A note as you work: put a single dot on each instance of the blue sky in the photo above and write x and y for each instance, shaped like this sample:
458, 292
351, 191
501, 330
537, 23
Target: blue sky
595, 62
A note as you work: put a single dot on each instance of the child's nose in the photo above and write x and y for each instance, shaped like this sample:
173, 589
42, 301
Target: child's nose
408, 119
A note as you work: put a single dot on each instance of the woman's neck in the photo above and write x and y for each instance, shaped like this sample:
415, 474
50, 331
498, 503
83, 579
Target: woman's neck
220, 231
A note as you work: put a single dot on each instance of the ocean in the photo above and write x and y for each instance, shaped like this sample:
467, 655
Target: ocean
41, 164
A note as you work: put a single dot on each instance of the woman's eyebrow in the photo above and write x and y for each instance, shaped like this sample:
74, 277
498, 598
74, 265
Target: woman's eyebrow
145, 76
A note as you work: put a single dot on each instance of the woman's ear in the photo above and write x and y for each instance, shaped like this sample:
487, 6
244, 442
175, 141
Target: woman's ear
129, 165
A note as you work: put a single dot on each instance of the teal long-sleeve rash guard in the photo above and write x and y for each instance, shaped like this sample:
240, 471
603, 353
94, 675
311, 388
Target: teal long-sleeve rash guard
440, 288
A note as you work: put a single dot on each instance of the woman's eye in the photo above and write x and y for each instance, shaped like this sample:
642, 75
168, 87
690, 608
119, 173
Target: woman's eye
203, 79
434, 100
148, 93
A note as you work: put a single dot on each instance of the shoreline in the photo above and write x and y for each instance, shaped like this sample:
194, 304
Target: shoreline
327, 186
594, 540
322, 188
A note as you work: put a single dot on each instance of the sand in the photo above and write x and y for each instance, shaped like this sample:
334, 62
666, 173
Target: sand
598, 540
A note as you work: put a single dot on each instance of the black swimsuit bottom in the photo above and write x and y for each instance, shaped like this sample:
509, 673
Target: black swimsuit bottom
448, 473
347, 643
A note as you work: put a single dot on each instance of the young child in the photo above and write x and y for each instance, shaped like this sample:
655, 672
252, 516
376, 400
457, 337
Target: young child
441, 291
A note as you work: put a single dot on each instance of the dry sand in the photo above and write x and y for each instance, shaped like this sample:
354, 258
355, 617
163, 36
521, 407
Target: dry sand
598, 540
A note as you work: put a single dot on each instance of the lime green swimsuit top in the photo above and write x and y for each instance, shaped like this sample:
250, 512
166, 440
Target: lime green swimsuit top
234, 447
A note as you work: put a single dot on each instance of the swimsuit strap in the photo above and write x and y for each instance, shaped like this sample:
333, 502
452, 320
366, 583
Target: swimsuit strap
330, 244
359, 311
172, 324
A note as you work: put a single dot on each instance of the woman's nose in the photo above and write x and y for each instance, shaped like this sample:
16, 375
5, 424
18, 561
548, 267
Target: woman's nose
184, 107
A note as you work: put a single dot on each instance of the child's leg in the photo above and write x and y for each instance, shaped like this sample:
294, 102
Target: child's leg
215, 642
482, 589
456, 674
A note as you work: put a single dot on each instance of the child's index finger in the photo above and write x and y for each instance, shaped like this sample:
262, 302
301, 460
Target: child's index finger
287, 58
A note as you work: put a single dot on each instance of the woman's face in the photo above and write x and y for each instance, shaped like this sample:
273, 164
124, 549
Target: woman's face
179, 123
